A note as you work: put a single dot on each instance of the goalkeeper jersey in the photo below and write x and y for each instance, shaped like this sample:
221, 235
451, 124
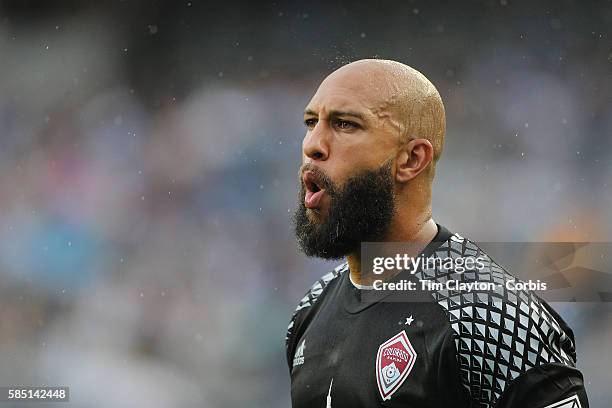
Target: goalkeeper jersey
443, 348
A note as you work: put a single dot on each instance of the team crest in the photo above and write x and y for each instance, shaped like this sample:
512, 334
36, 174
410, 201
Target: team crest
394, 361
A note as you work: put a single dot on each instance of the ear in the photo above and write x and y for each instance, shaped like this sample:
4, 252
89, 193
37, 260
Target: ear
412, 159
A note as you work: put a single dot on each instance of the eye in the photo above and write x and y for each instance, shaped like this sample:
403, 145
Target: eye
345, 125
310, 123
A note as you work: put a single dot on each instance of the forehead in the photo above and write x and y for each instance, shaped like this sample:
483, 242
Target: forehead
349, 92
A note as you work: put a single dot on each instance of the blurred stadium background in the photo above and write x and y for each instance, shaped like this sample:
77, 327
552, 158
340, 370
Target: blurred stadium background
148, 165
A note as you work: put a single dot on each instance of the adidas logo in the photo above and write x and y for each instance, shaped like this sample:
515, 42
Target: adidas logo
298, 358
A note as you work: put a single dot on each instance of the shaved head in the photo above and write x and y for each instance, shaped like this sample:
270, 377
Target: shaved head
398, 93
374, 131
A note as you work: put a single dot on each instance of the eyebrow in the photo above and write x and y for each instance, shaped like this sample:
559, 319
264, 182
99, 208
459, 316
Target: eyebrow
338, 113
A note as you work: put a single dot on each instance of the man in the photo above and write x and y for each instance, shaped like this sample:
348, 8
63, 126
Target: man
375, 130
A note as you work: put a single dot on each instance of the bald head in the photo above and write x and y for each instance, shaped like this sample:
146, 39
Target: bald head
374, 130
401, 95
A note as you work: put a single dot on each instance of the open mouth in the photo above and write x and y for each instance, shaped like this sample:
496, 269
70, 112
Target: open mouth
314, 192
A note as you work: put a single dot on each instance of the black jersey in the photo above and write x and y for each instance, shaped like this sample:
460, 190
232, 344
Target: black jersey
480, 348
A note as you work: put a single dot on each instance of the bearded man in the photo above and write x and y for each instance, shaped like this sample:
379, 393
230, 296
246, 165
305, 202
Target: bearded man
375, 131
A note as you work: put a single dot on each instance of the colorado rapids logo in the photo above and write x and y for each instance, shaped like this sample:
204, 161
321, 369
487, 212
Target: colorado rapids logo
394, 361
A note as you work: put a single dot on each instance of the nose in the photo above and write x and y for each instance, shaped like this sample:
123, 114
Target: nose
316, 143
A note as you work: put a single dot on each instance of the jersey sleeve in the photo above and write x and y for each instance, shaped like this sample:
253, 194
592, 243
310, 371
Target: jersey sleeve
516, 354
512, 348
304, 308
547, 386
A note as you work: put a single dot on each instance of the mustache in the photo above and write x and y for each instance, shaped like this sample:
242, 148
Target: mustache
322, 179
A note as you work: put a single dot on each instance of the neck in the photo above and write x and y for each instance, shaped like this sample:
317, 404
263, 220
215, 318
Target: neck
421, 231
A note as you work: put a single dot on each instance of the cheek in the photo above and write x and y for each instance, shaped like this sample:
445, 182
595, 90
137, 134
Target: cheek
342, 168
368, 154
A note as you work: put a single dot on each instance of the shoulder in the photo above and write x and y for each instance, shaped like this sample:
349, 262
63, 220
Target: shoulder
311, 297
499, 334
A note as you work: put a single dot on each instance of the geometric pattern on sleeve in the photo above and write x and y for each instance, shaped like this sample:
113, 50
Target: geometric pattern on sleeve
498, 334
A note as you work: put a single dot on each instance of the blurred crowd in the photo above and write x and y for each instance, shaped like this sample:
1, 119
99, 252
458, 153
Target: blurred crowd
148, 174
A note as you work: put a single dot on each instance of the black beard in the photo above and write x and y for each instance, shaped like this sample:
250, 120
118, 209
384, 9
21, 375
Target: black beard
360, 212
